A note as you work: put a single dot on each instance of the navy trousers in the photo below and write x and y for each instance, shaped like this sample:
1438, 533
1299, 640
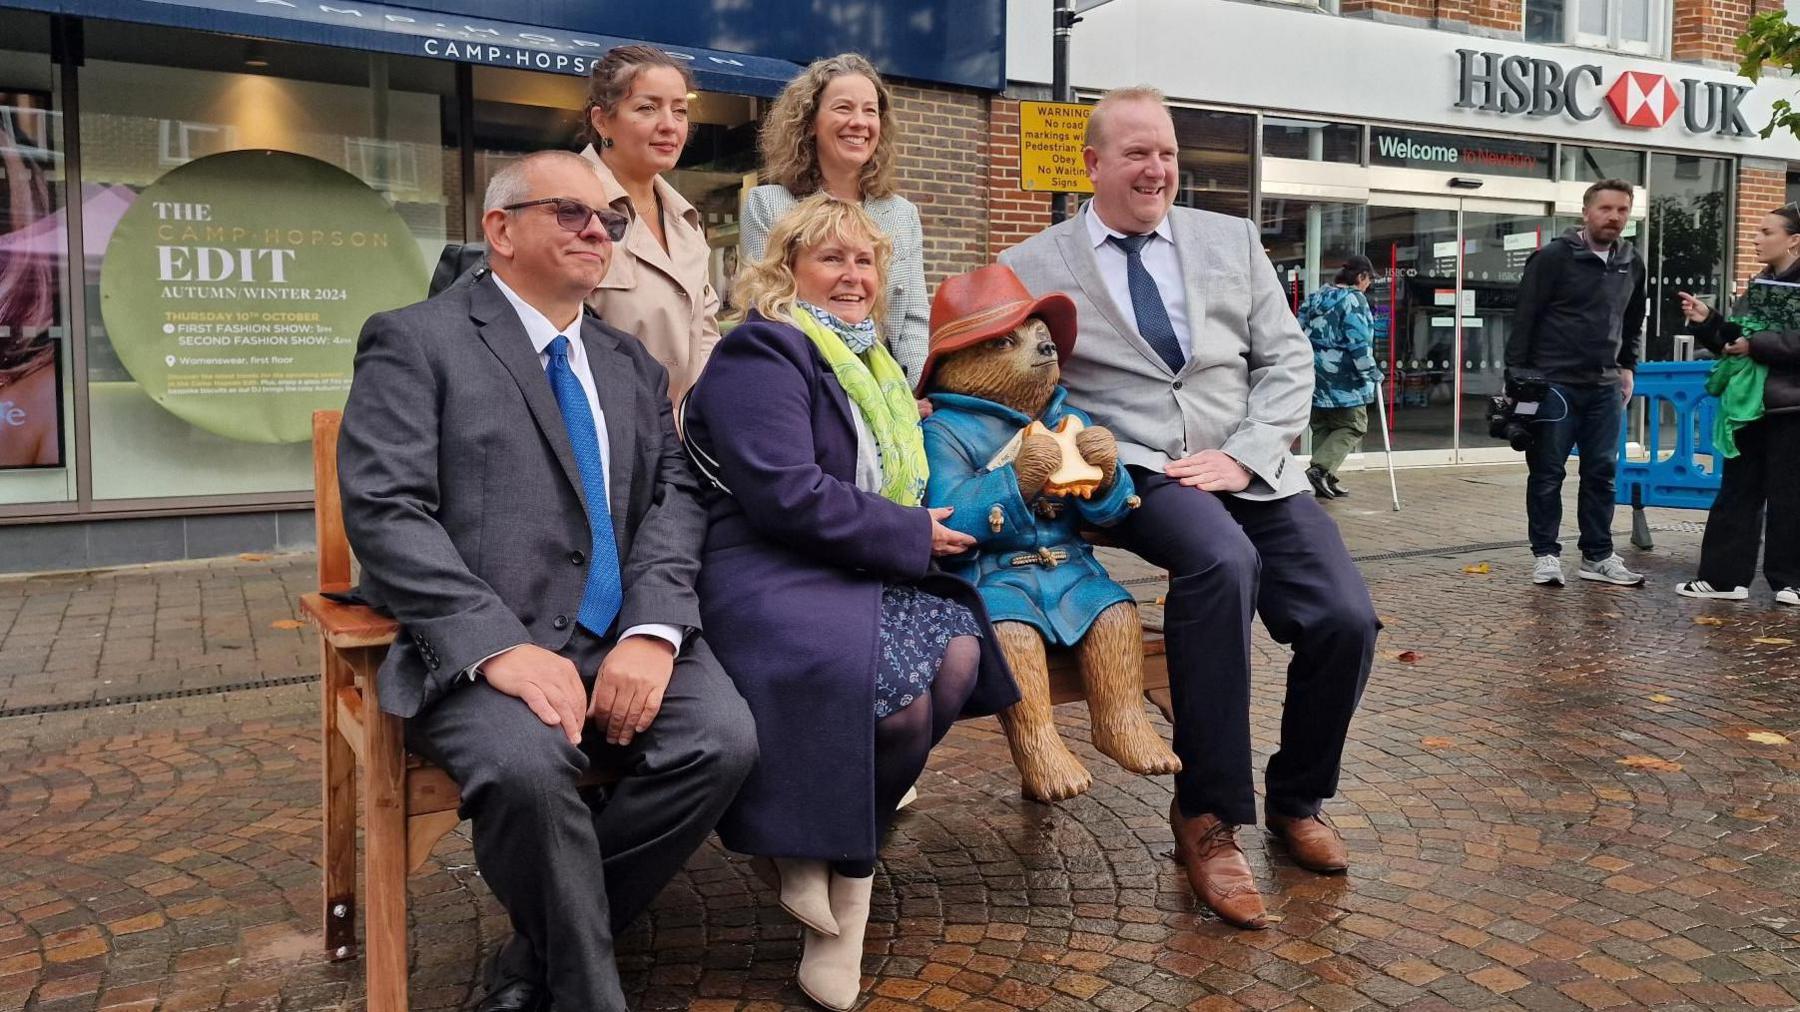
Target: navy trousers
1230, 559
1587, 417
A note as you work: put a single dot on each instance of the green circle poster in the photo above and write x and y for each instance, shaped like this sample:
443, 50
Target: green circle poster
235, 286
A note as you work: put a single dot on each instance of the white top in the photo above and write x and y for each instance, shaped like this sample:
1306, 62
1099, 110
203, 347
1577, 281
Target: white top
541, 331
1160, 259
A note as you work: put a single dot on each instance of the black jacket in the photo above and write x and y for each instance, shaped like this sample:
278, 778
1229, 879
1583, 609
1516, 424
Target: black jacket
1777, 349
1580, 319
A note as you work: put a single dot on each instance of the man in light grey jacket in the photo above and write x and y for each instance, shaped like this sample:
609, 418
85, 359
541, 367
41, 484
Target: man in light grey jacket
1188, 353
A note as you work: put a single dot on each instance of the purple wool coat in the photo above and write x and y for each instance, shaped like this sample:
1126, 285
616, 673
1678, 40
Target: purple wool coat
790, 591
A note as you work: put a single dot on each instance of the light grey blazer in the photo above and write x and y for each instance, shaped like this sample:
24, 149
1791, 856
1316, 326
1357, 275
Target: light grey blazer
907, 328
1247, 386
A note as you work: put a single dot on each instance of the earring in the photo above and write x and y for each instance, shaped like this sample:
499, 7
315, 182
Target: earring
606, 142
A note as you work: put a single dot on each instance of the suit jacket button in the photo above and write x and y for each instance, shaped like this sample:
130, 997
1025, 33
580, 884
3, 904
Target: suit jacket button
577, 558
1178, 384
560, 622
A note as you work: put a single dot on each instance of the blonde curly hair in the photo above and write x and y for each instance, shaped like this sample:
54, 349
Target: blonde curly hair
790, 149
768, 286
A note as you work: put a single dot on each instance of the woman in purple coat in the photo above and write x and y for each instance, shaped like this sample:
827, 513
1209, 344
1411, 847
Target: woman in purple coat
817, 586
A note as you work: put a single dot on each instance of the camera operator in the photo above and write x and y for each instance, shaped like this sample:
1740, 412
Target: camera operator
1574, 343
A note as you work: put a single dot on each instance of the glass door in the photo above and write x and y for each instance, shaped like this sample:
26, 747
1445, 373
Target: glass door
1443, 311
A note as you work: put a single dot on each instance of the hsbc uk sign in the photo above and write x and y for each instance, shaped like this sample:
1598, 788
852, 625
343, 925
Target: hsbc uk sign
1531, 86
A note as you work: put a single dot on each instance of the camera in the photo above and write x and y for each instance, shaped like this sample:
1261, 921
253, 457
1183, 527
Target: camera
1511, 415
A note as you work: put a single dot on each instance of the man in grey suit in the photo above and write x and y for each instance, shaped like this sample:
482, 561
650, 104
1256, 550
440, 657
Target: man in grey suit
516, 493
1188, 353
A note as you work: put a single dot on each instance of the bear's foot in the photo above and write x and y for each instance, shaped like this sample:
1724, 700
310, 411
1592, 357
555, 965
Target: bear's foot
1129, 739
1048, 771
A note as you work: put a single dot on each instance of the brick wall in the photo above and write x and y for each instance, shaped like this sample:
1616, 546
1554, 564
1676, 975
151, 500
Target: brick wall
943, 169
1014, 214
1706, 31
1492, 15
1762, 186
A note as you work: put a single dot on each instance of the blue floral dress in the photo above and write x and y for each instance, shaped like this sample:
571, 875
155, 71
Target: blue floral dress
916, 627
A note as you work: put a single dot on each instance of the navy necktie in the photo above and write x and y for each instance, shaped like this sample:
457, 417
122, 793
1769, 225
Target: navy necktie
601, 598
1147, 302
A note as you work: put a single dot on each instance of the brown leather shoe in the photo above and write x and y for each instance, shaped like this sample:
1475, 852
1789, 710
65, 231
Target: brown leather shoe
1216, 868
1313, 843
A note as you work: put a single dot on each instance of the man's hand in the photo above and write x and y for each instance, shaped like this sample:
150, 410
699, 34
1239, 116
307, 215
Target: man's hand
544, 681
1627, 380
1210, 471
924, 409
1741, 346
629, 690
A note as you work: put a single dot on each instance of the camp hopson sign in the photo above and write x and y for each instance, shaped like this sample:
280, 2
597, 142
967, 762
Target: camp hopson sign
1509, 85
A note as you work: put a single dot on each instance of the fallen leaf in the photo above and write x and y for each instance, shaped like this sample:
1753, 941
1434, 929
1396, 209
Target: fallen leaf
253, 557
287, 623
1436, 742
1407, 656
1774, 641
1650, 762
1766, 738
1708, 620
1162, 599
1660, 698
1610, 614
1478, 569
1752, 814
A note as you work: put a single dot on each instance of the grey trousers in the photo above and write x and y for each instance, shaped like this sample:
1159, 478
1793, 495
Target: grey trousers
570, 870
1335, 433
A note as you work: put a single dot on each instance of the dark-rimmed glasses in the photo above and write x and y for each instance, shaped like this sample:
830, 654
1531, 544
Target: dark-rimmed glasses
574, 216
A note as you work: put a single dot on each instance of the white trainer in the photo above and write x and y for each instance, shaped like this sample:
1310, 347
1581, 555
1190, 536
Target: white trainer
1787, 595
1706, 591
1609, 570
1547, 571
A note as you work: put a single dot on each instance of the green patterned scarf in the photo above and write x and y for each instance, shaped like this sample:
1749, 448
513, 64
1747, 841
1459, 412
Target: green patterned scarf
877, 387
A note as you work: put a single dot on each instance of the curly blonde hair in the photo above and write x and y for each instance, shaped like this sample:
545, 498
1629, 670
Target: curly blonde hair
790, 149
768, 286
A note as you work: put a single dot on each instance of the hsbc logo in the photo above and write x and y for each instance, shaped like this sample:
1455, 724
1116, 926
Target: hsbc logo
1512, 85
1642, 100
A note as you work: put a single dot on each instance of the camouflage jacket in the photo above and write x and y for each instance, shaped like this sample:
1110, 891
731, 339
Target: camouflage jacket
1338, 322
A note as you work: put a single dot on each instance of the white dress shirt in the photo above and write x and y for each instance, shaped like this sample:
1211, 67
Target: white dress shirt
1160, 259
541, 332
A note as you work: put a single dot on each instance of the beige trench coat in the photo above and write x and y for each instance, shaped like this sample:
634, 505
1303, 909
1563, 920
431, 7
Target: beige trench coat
663, 298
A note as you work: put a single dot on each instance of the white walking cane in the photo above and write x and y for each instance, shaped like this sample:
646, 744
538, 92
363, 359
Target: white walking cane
1387, 444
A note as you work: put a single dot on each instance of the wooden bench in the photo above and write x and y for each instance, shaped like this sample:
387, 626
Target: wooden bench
408, 804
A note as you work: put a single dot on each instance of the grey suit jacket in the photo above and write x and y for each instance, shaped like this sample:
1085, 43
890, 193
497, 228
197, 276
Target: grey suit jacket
1247, 386
462, 499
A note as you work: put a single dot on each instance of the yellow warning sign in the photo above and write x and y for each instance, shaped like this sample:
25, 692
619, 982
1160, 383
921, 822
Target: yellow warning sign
1050, 147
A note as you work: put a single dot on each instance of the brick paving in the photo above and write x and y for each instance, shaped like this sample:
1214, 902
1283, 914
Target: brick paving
1556, 799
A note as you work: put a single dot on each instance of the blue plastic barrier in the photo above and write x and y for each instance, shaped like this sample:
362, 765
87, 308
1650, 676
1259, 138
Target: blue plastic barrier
1686, 475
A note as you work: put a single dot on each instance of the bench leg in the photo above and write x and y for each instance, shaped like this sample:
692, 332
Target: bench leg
384, 857
340, 814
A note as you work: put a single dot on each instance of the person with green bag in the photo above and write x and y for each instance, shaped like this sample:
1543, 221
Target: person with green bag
1758, 434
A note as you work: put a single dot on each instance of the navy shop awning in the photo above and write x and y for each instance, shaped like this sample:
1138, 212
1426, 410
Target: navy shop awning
391, 29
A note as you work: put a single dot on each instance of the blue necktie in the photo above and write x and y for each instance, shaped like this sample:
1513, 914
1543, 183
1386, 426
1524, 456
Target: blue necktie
601, 598
1147, 302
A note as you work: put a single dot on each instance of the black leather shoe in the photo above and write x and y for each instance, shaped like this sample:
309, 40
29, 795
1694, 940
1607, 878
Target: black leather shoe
1316, 477
515, 996
511, 994
1337, 491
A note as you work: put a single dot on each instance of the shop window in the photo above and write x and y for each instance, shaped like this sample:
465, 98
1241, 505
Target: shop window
1308, 240
1590, 165
249, 204
1311, 141
1215, 160
1689, 245
517, 112
36, 406
1631, 26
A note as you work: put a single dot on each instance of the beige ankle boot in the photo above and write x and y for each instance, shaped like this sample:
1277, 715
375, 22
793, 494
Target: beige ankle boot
804, 888
831, 968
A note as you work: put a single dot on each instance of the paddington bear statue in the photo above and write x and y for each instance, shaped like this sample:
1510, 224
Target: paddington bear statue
1026, 472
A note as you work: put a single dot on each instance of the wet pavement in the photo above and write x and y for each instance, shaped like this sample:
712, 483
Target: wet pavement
1575, 798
